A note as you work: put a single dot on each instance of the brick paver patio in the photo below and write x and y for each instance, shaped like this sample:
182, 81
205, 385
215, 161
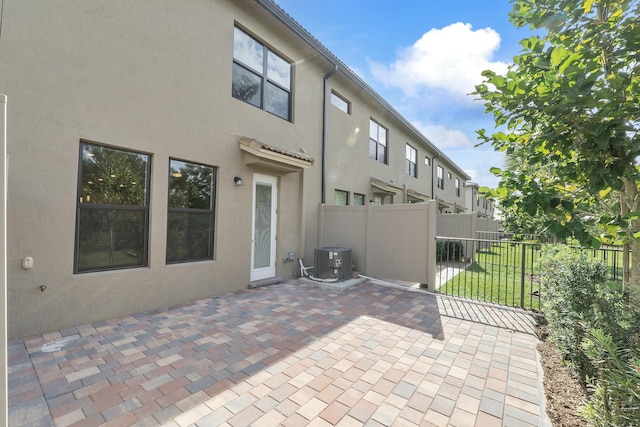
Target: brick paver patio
288, 354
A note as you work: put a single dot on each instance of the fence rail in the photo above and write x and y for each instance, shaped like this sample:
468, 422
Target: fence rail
505, 235
501, 271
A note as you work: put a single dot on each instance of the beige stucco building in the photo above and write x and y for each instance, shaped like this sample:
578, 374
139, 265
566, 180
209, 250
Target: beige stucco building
478, 202
165, 153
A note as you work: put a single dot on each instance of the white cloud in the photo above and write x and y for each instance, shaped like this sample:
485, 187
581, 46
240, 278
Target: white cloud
443, 137
449, 59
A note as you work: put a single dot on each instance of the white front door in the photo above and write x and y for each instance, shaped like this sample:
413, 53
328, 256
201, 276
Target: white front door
263, 239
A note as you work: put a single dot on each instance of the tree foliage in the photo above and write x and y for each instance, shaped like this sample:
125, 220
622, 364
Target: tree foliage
568, 108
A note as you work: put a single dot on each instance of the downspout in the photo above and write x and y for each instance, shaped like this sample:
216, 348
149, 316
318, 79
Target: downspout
433, 166
325, 112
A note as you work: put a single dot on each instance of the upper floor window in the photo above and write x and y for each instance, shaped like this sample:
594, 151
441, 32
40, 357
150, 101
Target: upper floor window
341, 198
449, 175
412, 159
112, 215
190, 223
377, 142
457, 187
260, 77
427, 161
440, 175
340, 102
358, 199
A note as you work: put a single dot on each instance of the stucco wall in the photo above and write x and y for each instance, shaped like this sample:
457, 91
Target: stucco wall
146, 77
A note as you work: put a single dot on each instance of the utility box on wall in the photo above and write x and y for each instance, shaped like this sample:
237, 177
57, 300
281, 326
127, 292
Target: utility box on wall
332, 263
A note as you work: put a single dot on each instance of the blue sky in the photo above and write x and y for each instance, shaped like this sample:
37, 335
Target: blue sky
423, 57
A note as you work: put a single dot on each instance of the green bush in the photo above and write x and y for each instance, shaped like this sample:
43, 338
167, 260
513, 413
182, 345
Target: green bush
449, 250
597, 330
568, 285
615, 397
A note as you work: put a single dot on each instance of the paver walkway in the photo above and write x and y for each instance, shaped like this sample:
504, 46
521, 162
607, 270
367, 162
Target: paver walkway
287, 354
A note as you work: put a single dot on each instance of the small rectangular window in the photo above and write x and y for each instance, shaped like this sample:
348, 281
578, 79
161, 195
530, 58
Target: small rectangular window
191, 212
341, 198
377, 142
427, 161
449, 175
411, 162
358, 199
340, 102
112, 216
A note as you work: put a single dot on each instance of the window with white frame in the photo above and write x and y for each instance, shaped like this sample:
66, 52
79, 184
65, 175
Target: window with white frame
440, 175
377, 142
260, 76
411, 162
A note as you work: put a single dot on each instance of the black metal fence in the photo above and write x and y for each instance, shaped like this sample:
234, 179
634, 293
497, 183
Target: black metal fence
501, 271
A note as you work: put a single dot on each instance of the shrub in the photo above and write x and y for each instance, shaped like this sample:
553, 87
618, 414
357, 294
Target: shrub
568, 284
615, 398
449, 250
597, 329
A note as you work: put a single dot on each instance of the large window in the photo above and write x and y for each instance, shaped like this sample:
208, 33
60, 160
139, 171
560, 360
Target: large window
457, 187
260, 76
412, 159
341, 198
377, 142
191, 211
440, 173
112, 218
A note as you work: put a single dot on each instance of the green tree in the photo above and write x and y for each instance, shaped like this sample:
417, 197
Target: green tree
569, 104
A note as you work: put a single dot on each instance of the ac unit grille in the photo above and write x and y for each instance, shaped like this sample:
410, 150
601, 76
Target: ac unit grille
332, 263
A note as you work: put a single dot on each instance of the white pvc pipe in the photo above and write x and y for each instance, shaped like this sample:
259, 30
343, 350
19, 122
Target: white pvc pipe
4, 402
304, 273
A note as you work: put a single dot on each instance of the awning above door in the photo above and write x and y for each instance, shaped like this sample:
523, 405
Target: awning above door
386, 187
272, 157
414, 195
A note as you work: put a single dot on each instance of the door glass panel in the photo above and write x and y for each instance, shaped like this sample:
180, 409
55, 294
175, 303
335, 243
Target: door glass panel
262, 238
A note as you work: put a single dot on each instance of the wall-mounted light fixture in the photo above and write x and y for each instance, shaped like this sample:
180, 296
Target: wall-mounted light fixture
238, 181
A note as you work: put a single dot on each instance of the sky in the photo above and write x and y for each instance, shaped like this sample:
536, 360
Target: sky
424, 57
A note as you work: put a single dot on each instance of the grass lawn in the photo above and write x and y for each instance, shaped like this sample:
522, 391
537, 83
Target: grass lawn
497, 275
506, 273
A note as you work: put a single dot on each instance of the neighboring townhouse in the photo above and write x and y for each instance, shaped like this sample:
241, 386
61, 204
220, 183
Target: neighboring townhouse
477, 202
376, 156
161, 154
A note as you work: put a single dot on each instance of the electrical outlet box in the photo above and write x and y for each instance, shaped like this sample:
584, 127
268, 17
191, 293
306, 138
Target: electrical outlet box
27, 263
292, 256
